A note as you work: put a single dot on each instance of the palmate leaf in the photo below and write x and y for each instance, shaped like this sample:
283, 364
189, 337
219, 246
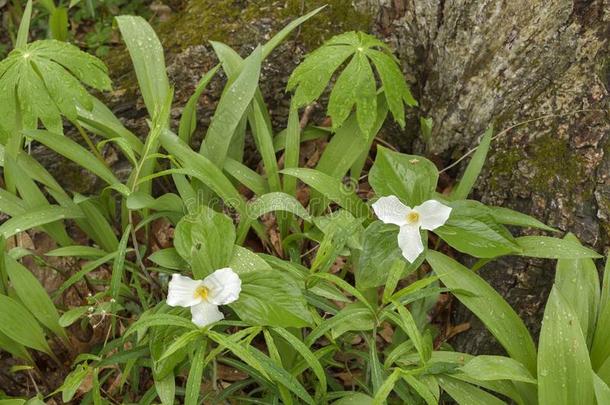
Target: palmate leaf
356, 84
45, 80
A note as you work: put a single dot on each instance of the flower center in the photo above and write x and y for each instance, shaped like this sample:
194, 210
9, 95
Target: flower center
412, 217
201, 292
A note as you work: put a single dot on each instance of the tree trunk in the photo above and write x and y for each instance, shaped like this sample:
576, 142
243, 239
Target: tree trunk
540, 66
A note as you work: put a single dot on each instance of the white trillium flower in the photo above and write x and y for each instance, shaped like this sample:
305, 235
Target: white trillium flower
429, 215
204, 296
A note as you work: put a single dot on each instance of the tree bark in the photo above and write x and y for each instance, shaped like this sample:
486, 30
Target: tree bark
540, 66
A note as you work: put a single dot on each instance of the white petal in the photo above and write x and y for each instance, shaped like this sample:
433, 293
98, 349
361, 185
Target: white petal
433, 214
409, 241
181, 292
204, 314
224, 286
391, 211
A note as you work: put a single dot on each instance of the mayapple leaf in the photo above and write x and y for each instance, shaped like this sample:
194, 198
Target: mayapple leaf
45, 78
356, 85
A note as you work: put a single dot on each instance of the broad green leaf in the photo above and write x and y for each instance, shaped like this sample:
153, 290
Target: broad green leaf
166, 389
167, 202
37, 217
600, 349
205, 241
307, 355
354, 399
410, 178
395, 88
271, 298
466, 394
354, 87
490, 368
489, 306
379, 253
231, 107
407, 323
244, 261
168, 258
33, 296
148, 60
422, 389
474, 167
100, 230
118, 266
564, 369
470, 229
71, 316
277, 201
546, 247
246, 176
17, 323
578, 282
14, 348
180, 342
332, 188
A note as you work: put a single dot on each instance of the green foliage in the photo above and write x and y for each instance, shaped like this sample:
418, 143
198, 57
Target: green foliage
356, 86
320, 280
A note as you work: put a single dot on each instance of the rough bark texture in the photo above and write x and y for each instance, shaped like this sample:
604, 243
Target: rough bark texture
470, 63
478, 62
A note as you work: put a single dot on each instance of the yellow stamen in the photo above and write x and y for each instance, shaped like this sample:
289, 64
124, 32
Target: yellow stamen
201, 292
412, 217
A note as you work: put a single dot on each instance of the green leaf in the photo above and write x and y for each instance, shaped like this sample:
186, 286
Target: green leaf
353, 317
490, 368
355, 86
602, 391
148, 60
332, 188
76, 250
354, 399
578, 282
489, 306
277, 201
474, 167
470, 229
286, 309
118, 267
395, 88
24, 27
600, 349
37, 217
379, 253
168, 258
466, 394
411, 178
205, 241
76, 153
386, 388
188, 120
546, 247
33, 296
166, 389
244, 261
510, 217
73, 381
564, 369
17, 323
193, 383
231, 107
71, 316
46, 75
14, 348
407, 323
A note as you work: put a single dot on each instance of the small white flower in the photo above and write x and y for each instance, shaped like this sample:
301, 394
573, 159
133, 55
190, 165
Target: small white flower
204, 296
429, 215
